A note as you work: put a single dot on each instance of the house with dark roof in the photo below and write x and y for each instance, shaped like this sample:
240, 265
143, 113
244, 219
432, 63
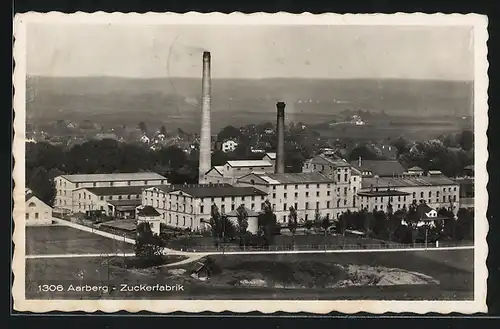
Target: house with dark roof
149, 215
37, 211
188, 206
381, 168
427, 216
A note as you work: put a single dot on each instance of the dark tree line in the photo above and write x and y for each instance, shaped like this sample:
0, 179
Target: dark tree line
45, 161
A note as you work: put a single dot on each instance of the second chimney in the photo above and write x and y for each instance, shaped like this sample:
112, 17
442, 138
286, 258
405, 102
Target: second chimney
280, 132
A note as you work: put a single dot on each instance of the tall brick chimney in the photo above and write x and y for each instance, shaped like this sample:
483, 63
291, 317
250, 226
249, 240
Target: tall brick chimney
280, 132
205, 133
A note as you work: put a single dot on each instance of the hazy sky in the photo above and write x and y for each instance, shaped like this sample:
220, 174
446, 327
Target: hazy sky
335, 52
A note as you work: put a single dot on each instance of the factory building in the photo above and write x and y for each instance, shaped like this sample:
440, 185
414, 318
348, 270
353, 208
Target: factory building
305, 192
347, 180
232, 170
66, 201
189, 206
403, 190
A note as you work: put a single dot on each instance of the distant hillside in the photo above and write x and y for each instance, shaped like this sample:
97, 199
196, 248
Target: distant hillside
175, 101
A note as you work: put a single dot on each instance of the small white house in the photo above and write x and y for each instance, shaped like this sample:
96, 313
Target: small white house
37, 211
229, 146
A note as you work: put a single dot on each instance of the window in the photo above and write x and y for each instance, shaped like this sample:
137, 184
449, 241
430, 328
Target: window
376, 199
455, 189
444, 198
317, 185
145, 182
317, 205
274, 187
119, 197
274, 206
404, 198
232, 198
285, 195
101, 198
201, 209
307, 205
345, 177
306, 217
345, 190
328, 204
252, 206
183, 221
414, 195
274, 195
328, 193
328, 185
454, 198
284, 207
110, 183
338, 177
102, 208
354, 179
296, 206
129, 196
253, 198
437, 194
284, 218
296, 187
79, 195
284, 186
27, 216
211, 199
262, 197
422, 194
223, 208
296, 195
429, 201
77, 185
314, 167
381, 199
307, 194
36, 215
430, 194
94, 184
307, 185
232, 207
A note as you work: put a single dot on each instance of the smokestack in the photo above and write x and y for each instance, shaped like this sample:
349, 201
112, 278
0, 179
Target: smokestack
359, 162
205, 134
280, 127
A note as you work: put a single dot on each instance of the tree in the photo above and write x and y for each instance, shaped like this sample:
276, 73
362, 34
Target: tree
228, 132
364, 152
42, 186
380, 224
144, 129
342, 223
292, 223
242, 217
450, 224
267, 222
163, 131
325, 224
465, 224
149, 247
467, 140
220, 225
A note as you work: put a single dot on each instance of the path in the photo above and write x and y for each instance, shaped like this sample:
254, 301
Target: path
79, 255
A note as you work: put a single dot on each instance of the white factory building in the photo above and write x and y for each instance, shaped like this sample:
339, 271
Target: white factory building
189, 206
80, 193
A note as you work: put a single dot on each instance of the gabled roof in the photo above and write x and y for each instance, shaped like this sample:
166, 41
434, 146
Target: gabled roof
405, 181
28, 196
380, 167
219, 169
82, 178
148, 211
249, 163
271, 155
415, 168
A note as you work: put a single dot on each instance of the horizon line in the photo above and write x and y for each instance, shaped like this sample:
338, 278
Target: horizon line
246, 78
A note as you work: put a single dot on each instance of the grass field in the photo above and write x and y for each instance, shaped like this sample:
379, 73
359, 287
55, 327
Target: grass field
65, 240
455, 277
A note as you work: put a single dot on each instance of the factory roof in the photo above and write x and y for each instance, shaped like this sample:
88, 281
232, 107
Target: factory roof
219, 169
415, 168
290, 178
383, 192
218, 190
380, 167
118, 190
271, 155
125, 204
81, 178
249, 163
330, 160
405, 181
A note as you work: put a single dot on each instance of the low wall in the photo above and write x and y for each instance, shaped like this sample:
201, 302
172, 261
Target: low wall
93, 230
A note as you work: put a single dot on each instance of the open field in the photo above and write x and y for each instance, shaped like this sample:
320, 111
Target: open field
67, 240
296, 276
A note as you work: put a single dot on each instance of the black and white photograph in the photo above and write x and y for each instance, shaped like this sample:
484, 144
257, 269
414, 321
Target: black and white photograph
264, 162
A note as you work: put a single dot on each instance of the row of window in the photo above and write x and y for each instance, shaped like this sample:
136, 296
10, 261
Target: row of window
37, 216
94, 184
